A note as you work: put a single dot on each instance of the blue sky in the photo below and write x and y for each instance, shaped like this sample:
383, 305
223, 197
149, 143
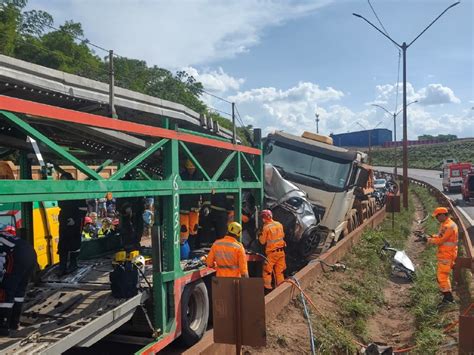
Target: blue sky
281, 61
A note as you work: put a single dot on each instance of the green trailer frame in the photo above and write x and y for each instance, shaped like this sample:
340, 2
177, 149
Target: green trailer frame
237, 168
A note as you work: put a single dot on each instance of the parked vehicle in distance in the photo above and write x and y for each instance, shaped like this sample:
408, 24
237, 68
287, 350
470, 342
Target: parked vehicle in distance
453, 174
467, 188
379, 184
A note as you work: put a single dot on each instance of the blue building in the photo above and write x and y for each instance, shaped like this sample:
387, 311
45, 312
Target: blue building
378, 137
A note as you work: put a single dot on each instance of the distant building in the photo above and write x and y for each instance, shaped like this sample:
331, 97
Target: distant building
361, 138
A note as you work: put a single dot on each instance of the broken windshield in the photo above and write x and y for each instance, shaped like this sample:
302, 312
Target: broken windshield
320, 171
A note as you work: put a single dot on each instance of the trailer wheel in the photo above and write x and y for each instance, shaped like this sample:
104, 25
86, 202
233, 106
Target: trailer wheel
194, 312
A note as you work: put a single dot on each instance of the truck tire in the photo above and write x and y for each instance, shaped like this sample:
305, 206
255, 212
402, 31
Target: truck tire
194, 312
309, 242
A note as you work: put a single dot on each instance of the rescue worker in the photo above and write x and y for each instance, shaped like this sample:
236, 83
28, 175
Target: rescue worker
88, 231
106, 228
17, 263
273, 237
70, 219
227, 254
218, 212
189, 208
447, 242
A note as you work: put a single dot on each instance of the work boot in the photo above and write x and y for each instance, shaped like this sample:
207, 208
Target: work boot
62, 268
448, 299
5, 315
73, 255
15, 316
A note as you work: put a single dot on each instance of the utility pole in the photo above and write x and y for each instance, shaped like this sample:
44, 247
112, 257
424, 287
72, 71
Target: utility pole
113, 113
234, 129
317, 122
404, 48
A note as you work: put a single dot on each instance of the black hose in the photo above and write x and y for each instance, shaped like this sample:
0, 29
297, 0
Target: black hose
306, 313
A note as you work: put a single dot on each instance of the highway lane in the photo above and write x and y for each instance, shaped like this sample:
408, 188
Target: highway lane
432, 177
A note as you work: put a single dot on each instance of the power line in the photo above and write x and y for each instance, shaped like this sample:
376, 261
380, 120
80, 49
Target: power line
217, 97
220, 111
240, 117
54, 52
378, 19
83, 40
399, 53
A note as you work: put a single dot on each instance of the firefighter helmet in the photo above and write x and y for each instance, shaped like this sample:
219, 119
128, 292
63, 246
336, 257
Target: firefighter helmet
440, 210
266, 214
188, 164
235, 229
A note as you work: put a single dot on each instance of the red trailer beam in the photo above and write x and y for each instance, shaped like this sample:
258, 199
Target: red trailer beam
66, 115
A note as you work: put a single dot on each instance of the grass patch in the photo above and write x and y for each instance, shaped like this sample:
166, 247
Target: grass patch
425, 293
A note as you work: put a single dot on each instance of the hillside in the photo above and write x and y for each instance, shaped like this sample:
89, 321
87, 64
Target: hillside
427, 156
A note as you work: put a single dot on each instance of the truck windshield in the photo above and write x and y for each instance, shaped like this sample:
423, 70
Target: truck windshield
322, 171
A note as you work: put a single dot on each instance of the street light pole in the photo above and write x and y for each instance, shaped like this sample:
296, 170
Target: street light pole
317, 122
394, 115
404, 48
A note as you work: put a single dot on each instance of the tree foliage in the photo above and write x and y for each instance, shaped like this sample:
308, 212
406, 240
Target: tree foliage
31, 36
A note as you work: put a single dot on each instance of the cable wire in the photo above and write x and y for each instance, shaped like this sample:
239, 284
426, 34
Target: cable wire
398, 81
84, 40
306, 314
215, 96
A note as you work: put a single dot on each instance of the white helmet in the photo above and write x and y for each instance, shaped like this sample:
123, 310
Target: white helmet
139, 262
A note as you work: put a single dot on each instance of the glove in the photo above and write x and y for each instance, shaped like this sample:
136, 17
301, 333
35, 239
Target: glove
206, 211
70, 222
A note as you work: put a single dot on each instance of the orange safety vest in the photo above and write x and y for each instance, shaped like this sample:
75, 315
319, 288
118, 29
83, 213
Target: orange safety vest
273, 236
227, 256
446, 240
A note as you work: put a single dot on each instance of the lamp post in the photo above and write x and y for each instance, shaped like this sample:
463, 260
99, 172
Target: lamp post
404, 48
317, 122
394, 130
370, 138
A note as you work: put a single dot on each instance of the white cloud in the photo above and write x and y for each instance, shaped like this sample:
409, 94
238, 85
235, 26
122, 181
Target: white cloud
436, 94
433, 94
293, 110
174, 34
216, 80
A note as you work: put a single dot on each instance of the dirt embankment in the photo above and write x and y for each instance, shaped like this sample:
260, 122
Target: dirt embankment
341, 321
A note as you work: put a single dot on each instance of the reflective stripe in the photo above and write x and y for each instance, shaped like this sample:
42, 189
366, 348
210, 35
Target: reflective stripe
227, 244
6, 305
444, 261
6, 242
217, 208
224, 254
274, 241
232, 267
450, 244
19, 299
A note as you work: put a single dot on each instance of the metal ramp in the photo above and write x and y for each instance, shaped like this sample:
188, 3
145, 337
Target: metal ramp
78, 310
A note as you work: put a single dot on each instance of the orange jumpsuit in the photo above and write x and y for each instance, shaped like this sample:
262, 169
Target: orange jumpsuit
227, 256
273, 236
447, 242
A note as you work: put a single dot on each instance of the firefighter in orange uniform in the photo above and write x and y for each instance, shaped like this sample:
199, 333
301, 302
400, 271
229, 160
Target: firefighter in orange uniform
273, 237
227, 254
447, 242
